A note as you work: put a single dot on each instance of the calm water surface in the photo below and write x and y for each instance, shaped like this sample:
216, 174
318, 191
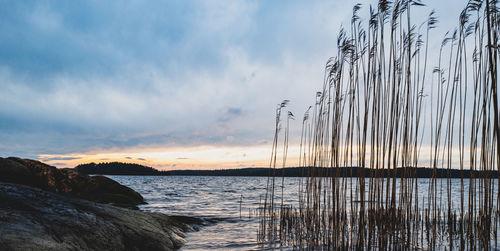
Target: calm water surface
215, 199
229, 203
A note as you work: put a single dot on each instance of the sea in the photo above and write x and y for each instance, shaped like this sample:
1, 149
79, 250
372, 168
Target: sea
227, 204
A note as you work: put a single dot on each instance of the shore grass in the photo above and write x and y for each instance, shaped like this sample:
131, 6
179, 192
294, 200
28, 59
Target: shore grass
379, 104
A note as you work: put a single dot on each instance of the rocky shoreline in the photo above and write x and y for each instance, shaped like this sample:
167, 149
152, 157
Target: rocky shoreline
67, 181
45, 208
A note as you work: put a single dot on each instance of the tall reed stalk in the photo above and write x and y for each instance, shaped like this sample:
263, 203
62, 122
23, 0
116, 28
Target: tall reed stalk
362, 141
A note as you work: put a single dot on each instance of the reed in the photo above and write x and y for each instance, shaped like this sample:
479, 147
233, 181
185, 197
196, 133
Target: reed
380, 103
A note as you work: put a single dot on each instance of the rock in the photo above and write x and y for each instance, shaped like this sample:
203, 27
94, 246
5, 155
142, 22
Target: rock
67, 181
34, 219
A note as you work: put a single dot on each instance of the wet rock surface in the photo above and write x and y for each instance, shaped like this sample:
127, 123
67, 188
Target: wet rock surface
34, 219
67, 181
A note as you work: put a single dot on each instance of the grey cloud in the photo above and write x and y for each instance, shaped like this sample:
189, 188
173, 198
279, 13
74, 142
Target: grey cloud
59, 164
91, 75
230, 113
234, 111
61, 158
95, 75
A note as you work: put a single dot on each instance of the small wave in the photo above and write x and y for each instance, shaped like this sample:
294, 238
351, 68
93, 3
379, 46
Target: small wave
234, 244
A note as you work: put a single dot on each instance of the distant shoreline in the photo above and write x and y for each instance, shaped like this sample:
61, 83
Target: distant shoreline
118, 168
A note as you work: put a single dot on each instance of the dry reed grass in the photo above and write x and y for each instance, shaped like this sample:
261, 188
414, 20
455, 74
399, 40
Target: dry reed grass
370, 114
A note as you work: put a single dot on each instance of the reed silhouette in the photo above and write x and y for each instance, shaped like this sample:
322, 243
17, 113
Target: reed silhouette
379, 103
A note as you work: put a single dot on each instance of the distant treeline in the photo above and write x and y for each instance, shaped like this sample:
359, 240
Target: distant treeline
119, 168
116, 168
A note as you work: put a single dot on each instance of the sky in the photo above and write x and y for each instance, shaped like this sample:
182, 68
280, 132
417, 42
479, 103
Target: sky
169, 84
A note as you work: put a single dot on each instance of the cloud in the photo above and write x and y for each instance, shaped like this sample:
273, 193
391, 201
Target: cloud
230, 113
100, 75
97, 75
59, 164
61, 158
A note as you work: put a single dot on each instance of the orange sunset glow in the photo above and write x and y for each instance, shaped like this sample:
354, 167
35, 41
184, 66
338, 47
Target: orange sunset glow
202, 157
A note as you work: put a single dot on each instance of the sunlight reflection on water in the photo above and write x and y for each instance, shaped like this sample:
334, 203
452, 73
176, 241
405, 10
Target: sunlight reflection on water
217, 200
